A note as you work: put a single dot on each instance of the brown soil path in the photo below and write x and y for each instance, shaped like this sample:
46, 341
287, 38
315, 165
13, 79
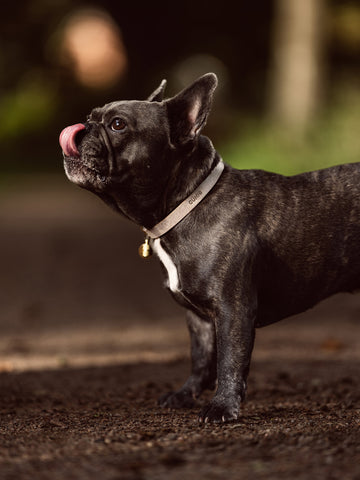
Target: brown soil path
89, 340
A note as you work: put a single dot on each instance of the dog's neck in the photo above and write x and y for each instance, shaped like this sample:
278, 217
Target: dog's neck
190, 169
187, 205
165, 189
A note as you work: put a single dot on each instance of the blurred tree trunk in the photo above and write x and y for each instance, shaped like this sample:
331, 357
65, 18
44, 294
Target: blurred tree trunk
296, 74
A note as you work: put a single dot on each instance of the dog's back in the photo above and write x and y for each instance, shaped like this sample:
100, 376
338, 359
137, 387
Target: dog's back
307, 230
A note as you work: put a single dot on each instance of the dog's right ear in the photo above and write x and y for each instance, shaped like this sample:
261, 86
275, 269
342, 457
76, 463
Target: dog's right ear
158, 94
189, 109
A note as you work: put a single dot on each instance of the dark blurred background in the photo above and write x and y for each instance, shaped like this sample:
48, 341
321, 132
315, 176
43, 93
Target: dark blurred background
289, 92
288, 100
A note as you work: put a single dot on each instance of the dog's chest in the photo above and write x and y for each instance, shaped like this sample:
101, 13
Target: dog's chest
169, 265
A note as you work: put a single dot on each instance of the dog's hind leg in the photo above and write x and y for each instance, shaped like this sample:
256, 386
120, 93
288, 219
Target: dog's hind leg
203, 365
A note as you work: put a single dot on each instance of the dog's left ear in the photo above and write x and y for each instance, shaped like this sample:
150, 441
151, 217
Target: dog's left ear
158, 94
189, 109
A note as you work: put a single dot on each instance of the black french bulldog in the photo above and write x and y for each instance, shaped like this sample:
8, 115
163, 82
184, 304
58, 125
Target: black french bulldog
257, 248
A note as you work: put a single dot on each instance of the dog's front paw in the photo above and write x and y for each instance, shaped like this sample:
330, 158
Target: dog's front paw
179, 399
219, 412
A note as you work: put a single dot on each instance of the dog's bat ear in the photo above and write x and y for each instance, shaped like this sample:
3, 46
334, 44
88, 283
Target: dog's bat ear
189, 109
158, 94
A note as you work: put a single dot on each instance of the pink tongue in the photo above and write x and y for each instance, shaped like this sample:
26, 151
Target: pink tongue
67, 139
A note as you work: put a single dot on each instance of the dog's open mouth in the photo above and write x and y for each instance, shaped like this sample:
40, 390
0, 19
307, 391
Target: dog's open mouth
67, 140
83, 167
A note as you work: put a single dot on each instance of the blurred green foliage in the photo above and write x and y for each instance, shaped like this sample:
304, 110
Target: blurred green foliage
27, 108
39, 96
332, 139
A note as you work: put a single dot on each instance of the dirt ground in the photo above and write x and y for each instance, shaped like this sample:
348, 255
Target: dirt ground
89, 340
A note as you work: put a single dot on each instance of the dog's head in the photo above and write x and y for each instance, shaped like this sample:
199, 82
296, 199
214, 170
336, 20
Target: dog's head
126, 147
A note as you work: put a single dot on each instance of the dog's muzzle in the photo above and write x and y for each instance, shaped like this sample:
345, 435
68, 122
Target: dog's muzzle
109, 147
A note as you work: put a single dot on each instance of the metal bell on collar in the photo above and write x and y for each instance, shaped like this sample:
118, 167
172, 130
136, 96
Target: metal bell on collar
145, 250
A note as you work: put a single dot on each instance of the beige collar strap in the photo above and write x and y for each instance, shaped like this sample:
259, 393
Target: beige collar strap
185, 207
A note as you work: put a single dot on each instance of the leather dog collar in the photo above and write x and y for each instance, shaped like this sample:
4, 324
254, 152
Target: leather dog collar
185, 207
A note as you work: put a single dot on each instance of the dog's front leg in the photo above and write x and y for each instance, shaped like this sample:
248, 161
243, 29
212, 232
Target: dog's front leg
235, 334
203, 365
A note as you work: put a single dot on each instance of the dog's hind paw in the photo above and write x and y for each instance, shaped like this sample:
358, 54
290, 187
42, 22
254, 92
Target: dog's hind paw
179, 399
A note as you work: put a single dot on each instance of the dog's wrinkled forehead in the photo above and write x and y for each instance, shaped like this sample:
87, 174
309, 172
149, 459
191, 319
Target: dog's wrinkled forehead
136, 114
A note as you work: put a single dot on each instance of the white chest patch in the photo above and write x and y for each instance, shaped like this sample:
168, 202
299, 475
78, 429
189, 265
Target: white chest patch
173, 277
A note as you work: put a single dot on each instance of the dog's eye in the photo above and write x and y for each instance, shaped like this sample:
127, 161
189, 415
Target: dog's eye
118, 124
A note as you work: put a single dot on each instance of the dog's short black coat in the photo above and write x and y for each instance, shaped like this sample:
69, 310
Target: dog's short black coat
258, 248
